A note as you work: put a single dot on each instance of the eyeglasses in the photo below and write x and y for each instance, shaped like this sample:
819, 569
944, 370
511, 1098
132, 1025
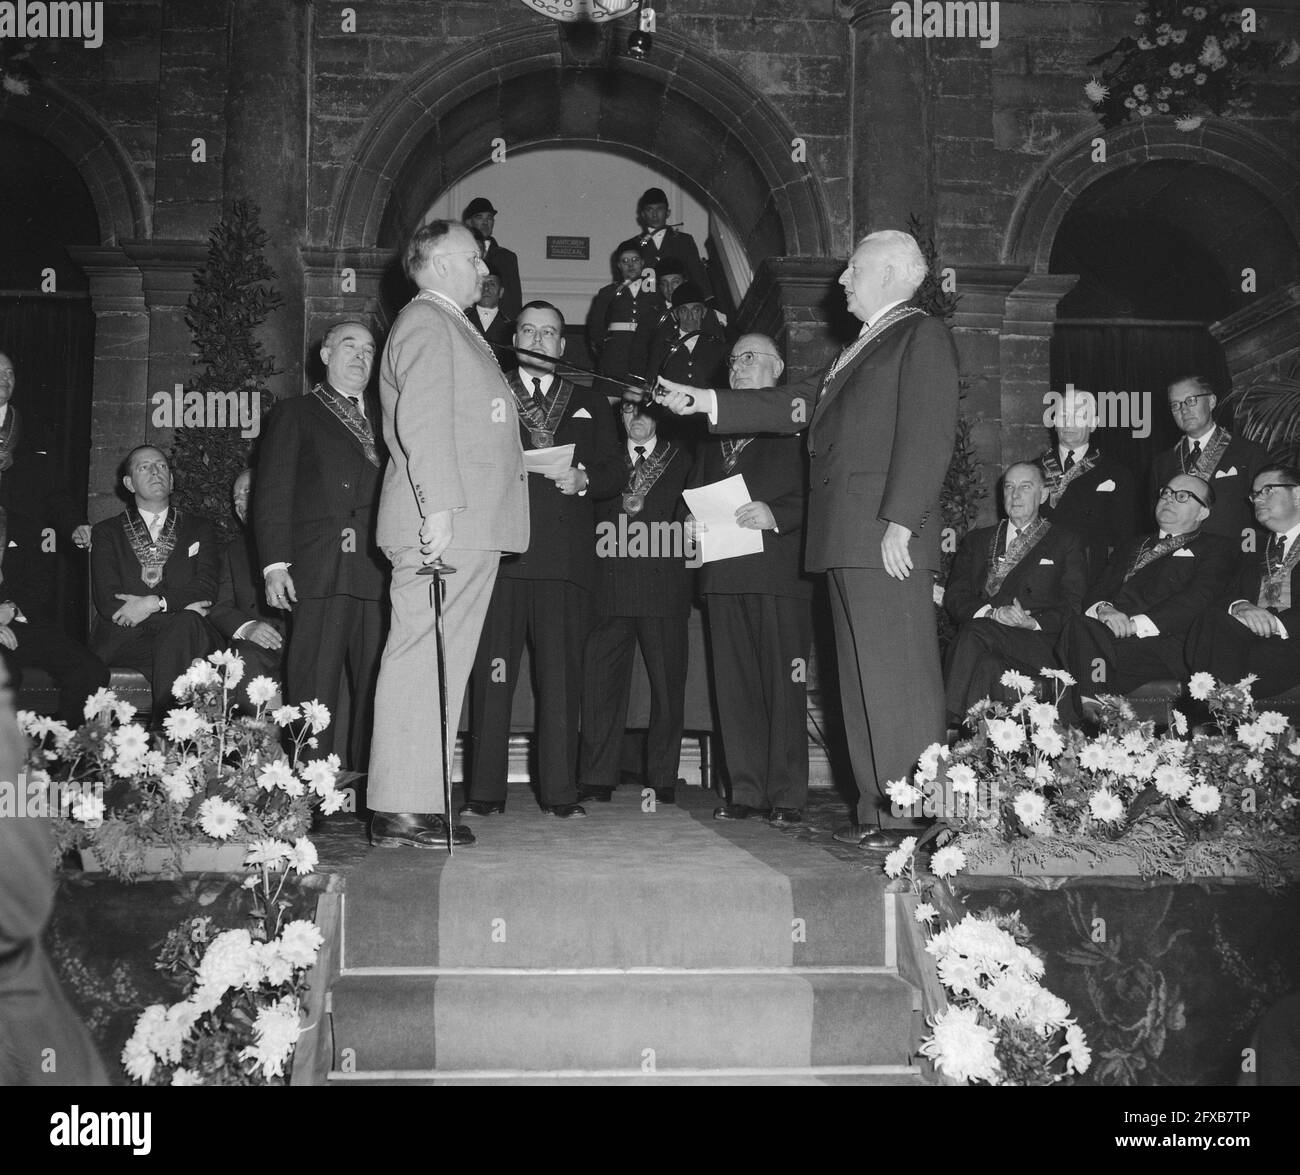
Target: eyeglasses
1263, 492
1188, 404
537, 332
463, 253
747, 358
1181, 496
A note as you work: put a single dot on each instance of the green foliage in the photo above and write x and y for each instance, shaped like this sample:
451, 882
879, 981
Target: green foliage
1268, 413
233, 295
931, 296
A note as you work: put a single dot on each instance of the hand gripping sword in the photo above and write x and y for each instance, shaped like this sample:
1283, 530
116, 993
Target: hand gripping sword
437, 592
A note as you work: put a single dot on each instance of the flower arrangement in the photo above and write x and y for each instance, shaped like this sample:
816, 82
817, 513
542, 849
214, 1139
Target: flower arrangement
240, 1018
1185, 60
213, 776
1226, 797
1001, 1026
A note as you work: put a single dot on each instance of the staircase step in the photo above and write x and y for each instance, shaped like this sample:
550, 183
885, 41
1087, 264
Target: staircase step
843, 1075
559, 1022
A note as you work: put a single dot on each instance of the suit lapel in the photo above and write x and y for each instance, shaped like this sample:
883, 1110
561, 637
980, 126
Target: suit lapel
833, 387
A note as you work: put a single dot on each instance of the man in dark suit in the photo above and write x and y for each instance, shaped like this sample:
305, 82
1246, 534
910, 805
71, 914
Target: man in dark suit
499, 330
881, 423
658, 241
314, 525
1254, 627
759, 610
671, 274
617, 310
154, 574
240, 614
480, 217
33, 496
643, 598
1136, 617
1087, 491
1010, 590
543, 596
1209, 451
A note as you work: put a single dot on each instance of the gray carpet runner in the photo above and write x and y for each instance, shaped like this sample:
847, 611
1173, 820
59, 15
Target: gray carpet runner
631, 947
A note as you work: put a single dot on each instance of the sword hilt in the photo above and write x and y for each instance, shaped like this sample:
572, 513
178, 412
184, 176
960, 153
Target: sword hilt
437, 567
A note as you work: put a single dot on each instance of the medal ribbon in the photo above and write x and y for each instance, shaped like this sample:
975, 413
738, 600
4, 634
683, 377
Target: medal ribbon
641, 481
732, 447
531, 415
150, 554
352, 420
1157, 550
1275, 583
999, 569
1205, 465
1058, 479
459, 315
897, 314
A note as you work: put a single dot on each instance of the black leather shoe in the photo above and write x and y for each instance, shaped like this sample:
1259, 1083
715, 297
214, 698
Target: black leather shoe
785, 817
737, 812
415, 830
599, 795
482, 807
564, 811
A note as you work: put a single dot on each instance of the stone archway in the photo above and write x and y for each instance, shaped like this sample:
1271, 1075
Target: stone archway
682, 109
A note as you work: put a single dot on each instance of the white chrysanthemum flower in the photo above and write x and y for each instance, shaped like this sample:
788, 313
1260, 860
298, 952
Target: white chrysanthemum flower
278, 774
1254, 736
1253, 769
138, 1060
1030, 808
1105, 806
900, 858
177, 787
1272, 722
154, 763
947, 861
185, 722
88, 809
930, 759
1049, 741
302, 857
925, 912
317, 715
962, 1048
276, 1031
1017, 681
902, 793
183, 1076
1140, 92
963, 779
318, 775
102, 699
123, 711
219, 817
1096, 91
1076, 1044
202, 674
261, 690
1007, 736
958, 974
267, 852
283, 715
1043, 714
300, 941
1294, 747
276, 967
1172, 780
231, 960
1092, 757
1061, 675
333, 802
1046, 1012
1040, 773
1205, 798
131, 741
1179, 720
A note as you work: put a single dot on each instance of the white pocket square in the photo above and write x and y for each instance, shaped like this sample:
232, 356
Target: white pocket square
582, 414
1046, 562
1226, 472
194, 549
1106, 487
1184, 553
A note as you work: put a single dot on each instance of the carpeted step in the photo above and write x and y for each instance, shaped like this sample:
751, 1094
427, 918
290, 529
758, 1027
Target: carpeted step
672, 1021
623, 888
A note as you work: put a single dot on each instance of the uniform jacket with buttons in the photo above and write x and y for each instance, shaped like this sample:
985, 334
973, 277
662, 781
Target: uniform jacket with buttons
315, 501
880, 437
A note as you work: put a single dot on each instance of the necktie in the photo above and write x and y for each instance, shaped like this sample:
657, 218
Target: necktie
1069, 462
355, 401
640, 457
539, 397
1193, 451
1278, 547
155, 525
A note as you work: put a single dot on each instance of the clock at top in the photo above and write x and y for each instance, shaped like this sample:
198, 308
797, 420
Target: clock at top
593, 10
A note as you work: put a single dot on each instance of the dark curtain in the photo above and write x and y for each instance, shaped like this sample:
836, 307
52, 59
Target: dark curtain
50, 340
1139, 359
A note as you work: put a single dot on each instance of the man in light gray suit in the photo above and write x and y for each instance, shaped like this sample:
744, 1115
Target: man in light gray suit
455, 487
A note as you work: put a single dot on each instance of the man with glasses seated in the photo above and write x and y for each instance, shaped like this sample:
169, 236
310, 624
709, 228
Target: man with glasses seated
1136, 617
759, 611
1229, 463
544, 595
1255, 625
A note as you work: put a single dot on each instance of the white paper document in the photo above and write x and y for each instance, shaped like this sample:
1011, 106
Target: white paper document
716, 505
549, 462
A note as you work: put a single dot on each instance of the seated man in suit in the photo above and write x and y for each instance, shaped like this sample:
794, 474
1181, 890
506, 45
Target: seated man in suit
1010, 590
643, 598
1136, 618
760, 611
154, 575
544, 596
1209, 451
1088, 492
493, 324
241, 614
1255, 626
